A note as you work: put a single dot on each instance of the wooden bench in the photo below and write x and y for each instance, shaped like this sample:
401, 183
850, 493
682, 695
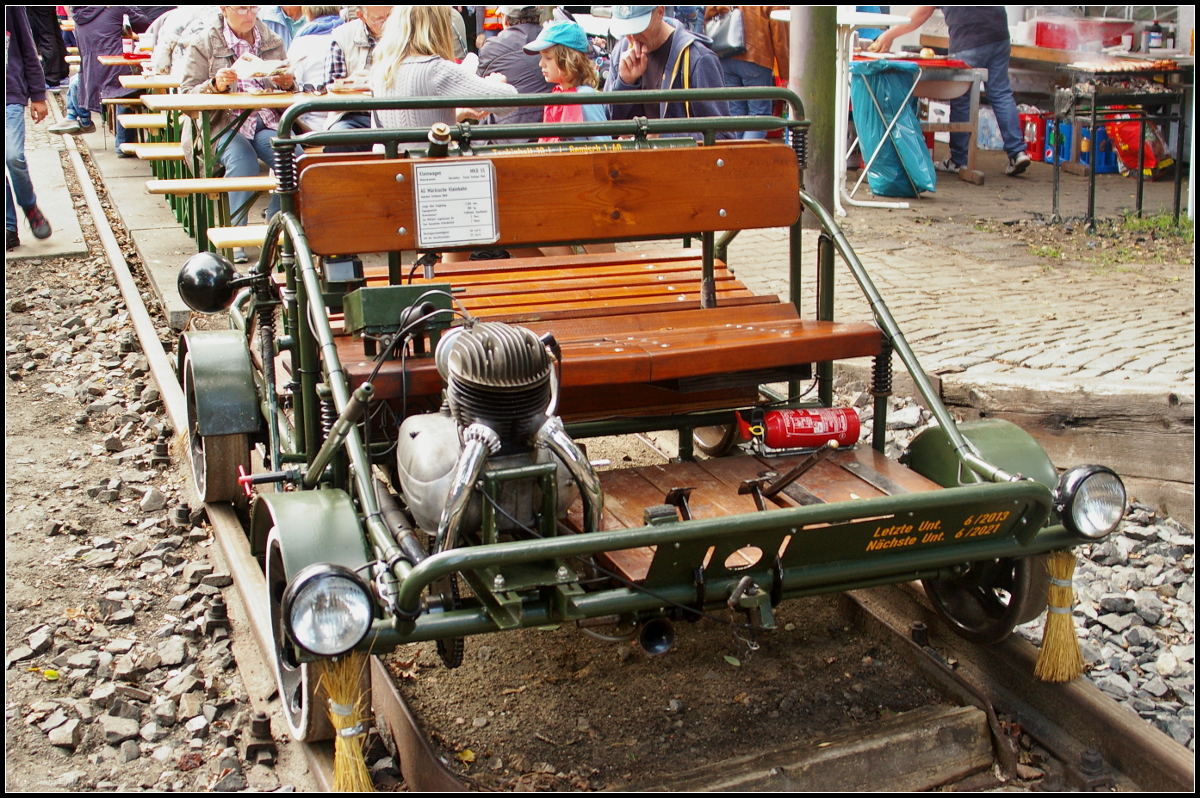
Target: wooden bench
635, 337
143, 121
155, 151
212, 186
249, 235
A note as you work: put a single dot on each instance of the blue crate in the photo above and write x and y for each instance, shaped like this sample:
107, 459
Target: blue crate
1062, 151
1106, 156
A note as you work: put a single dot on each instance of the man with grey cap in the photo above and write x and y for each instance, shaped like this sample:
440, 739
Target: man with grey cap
504, 53
655, 52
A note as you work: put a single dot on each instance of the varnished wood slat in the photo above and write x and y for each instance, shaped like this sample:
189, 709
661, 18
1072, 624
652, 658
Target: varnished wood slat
680, 291
670, 320
361, 206
586, 403
598, 314
210, 185
664, 257
666, 355
611, 273
905, 477
562, 281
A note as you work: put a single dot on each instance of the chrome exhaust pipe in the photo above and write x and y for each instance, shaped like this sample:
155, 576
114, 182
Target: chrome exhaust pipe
478, 442
657, 636
554, 436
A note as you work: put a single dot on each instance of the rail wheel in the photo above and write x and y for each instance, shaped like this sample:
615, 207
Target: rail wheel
215, 458
716, 441
304, 707
985, 603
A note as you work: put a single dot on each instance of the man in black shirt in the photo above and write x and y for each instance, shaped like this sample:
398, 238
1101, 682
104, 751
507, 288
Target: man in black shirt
978, 36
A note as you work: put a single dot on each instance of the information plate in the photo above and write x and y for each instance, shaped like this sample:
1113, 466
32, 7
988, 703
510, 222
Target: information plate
456, 203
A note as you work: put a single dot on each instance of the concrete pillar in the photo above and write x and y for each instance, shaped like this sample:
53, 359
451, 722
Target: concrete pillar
813, 39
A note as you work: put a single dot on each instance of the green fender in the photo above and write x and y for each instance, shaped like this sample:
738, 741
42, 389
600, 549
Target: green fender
314, 526
223, 394
1001, 443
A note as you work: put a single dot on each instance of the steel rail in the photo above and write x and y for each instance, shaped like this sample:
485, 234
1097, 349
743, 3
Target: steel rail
227, 530
1065, 719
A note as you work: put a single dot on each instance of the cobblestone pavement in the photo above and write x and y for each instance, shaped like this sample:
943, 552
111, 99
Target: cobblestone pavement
972, 302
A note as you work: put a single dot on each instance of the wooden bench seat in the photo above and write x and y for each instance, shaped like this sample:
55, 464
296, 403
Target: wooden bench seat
143, 121
250, 235
111, 101
210, 185
155, 151
688, 354
635, 338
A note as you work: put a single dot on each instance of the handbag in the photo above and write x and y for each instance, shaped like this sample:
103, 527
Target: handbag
728, 33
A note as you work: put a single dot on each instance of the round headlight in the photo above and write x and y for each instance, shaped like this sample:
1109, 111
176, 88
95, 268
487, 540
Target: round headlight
1090, 500
327, 609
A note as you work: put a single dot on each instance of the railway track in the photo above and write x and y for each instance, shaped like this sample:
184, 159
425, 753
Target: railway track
1095, 742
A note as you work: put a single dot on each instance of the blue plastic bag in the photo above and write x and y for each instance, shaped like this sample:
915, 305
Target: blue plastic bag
903, 167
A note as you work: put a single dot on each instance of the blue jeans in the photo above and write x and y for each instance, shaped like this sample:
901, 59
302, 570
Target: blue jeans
351, 122
994, 58
747, 73
16, 166
240, 157
74, 109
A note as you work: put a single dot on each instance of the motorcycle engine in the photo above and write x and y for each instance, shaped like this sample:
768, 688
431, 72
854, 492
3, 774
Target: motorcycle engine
500, 386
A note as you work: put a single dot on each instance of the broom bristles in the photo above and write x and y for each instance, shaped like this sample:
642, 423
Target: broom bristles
1060, 659
342, 680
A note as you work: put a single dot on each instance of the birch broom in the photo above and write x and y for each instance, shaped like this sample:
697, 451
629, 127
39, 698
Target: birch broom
342, 680
1060, 659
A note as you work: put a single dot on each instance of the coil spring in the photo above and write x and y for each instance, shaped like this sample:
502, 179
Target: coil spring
328, 411
285, 169
881, 370
799, 142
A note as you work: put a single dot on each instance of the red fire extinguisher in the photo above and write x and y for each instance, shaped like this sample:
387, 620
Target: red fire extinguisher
803, 429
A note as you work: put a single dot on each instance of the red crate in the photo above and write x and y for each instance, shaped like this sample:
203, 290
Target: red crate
1075, 33
1035, 149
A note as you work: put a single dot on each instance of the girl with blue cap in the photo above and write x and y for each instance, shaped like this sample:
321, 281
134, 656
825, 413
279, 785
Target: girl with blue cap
563, 47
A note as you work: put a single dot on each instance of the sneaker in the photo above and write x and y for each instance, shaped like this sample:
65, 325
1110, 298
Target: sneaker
1018, 163
66, 126
38, 224
946, 165
90, 127
11, 240
239, 255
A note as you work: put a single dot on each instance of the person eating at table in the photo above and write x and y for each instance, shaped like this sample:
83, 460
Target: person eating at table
351, 53
237, 32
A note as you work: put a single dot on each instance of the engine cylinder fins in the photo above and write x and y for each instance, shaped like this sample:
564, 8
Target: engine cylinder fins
497, 355
514, 415
498, 375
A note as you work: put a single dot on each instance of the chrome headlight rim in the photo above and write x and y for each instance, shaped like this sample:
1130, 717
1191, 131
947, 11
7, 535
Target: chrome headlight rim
309, 577
1069, 491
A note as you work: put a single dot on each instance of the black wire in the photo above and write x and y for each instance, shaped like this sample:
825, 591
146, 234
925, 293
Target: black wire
630, 584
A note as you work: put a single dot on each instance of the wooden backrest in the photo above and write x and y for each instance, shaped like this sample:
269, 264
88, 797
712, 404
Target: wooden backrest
371, 205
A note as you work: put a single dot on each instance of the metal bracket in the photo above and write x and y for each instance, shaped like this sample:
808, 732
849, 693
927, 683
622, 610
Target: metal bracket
679, 497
